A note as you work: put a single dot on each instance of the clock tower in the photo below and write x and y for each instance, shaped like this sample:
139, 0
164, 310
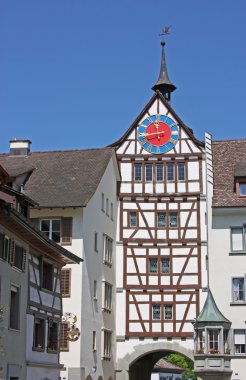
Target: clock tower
161, 252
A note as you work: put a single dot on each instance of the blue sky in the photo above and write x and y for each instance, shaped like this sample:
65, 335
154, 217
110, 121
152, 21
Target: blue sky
76, 73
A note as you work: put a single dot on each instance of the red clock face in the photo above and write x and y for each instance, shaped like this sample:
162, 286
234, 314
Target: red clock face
158, 133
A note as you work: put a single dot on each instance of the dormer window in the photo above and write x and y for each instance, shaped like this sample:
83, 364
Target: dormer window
242, 189
240, 179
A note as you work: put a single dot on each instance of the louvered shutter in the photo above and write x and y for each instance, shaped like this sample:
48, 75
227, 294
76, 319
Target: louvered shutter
66, 230
35, 221
2, 237
24, 258
11, 252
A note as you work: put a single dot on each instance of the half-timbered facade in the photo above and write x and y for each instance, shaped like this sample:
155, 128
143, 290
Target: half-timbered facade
161, 229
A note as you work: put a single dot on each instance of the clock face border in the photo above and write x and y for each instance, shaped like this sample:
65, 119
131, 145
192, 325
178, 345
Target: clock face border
158, 149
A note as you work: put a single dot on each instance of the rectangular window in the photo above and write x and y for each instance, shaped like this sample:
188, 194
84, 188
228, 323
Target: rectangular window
107, 207
148, 172
181, 171
173, 219
96, 242
242, 189
94, 341
238, 289
107, 338
2, 252
165, 266
153, 265
19, 257
161, 219
156, 311
66, 282
112, 211
52, 344
108, 249
239, 342
95, 290
14, 310
213, 341
133, 219
64, 342
159, 172
51, 228
237, 243
170, 172
108, 296
168, 312
39, 334
47, 274
138, 172
102, 203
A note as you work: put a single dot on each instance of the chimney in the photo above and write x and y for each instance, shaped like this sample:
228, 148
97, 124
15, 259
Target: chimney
20, 147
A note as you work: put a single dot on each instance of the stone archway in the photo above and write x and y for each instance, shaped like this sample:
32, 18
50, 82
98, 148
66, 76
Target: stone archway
139, 363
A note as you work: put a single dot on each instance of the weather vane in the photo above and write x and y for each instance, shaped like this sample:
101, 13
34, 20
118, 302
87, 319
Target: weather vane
165, 31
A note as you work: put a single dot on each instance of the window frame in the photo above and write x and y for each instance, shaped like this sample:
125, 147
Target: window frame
44, 261
158, 305
168, 165
165, 219
50, 232
148, 174
165, 306
107, 249
103, 202
54, 321
167, 259
149, 265
234, 344
107, 296
107, 343
179, 172
43, 319
15, 319
157, 172
240, 181
238, 301
94, 340
96, 241
138, 178
169, 216
243, 228
130, 219
61, 338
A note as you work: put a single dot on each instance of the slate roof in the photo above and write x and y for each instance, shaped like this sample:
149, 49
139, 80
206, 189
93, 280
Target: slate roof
164, 365
229, 162
66, 178
210, 313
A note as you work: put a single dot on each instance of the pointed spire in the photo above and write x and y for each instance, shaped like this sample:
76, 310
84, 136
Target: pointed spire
210, 313
164, 85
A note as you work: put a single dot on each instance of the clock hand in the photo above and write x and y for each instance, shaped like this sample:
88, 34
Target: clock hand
143, 134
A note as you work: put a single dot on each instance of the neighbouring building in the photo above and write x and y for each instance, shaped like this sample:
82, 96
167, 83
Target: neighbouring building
30, 271
77, 196
161, 243
163, 370
226, 183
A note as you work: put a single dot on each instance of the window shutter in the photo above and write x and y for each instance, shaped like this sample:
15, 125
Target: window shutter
66, 282
2, 237
35, 221
24, 257
66, 230
11, 252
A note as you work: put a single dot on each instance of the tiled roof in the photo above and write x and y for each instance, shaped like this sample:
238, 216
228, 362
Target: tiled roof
66, 178
164, 364
227, 155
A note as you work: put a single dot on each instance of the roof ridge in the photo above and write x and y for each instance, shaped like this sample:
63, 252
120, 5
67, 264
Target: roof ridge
229, 140
109, 148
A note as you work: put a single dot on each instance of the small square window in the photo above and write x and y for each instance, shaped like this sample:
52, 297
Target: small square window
173, 219
170, 172
156, 311
138, 172
168, 312
181, 171
133, 219
153, 265
159, 172
165, 266
161, 219
148, 172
